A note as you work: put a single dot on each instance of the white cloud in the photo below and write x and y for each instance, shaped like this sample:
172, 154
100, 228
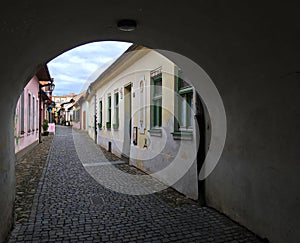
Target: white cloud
76, 59
66, 78
58, 64
90, 67
102, 46
77, 68
94, 76
101, 59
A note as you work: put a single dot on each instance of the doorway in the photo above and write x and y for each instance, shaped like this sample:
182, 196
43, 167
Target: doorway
127, 121
204, 133
84, 120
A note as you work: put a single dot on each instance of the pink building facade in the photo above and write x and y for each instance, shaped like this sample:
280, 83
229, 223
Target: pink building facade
27, 117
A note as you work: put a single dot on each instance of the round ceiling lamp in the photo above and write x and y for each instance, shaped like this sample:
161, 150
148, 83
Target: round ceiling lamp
127, 25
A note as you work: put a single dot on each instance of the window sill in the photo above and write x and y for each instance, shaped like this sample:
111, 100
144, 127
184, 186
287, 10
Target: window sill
185, 90
182, 135
155, 132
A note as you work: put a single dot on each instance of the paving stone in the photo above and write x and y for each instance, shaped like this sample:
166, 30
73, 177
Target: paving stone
65, 206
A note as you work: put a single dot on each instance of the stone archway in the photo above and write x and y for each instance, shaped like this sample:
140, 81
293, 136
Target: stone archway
251, 52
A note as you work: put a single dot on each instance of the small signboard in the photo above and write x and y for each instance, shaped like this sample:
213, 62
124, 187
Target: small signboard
51, 127
135, 134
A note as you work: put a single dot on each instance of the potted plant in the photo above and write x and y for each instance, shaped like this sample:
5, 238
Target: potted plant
100, 125
45, 128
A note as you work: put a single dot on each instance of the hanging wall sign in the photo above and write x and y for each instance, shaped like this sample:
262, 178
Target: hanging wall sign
135, 135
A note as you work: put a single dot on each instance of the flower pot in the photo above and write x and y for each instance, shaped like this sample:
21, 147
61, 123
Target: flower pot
46, 133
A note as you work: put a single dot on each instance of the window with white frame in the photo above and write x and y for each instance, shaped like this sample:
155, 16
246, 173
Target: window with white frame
183, 105
29, 113
22, 114
37, 115
108, 121
77, 115
33, 114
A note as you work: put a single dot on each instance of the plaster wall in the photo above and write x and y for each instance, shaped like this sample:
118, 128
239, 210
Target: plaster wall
30, 134
84, 108
161, 150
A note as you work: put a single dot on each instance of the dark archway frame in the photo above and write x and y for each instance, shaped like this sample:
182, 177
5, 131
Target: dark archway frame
246, 48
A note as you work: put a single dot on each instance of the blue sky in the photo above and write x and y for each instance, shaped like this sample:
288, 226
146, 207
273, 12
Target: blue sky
75, 69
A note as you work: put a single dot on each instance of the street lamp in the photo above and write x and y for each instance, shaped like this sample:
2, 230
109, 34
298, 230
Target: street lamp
51, 86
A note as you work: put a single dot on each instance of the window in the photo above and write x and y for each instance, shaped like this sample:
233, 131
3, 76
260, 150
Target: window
29, 113
184, 105
33, 114
116, 110
108, 122
22, 115
77, 115
156, 99
100, 114
37, 115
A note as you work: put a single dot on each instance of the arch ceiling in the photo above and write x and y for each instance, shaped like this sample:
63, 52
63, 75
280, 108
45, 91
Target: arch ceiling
250, 51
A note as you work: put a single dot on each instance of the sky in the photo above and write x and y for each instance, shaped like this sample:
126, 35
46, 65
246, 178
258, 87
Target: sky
75, 69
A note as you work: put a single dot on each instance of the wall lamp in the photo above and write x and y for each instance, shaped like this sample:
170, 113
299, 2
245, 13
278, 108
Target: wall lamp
51, 85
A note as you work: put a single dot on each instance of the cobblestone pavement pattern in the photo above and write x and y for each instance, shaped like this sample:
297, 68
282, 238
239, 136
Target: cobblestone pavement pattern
29, 169
71, 206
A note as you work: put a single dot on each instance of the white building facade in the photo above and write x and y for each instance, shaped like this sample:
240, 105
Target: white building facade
140, 108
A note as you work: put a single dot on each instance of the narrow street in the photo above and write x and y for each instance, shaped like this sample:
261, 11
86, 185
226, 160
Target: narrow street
77, 201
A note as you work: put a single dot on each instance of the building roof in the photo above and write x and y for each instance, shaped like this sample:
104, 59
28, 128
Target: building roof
78, 97
64, 96
115, 65
44, 77
43, 74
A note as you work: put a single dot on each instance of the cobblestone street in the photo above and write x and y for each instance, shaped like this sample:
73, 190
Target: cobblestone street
73, 203
29, 169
